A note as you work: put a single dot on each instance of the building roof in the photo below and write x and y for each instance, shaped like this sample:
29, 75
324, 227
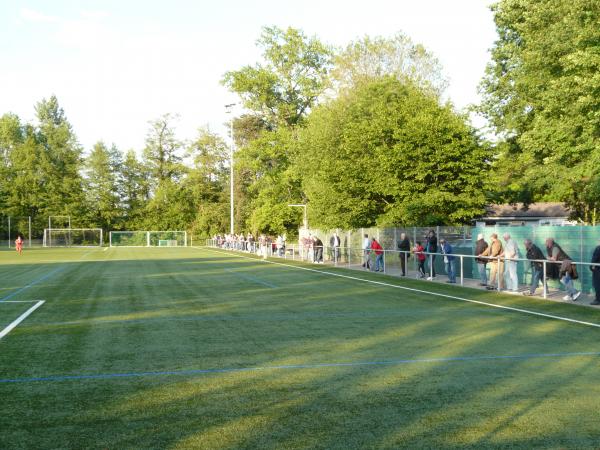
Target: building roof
542, 210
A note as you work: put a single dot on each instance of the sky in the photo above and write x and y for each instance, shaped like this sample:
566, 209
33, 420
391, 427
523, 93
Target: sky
115, 65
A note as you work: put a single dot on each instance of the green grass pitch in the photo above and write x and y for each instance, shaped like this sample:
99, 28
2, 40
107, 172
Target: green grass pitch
192, 348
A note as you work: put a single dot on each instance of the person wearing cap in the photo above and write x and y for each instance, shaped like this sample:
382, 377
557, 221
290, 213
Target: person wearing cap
496, 263
480, 248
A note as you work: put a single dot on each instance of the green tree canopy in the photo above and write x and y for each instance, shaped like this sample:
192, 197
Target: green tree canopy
386, 152
371, 58
290, 80
542, 96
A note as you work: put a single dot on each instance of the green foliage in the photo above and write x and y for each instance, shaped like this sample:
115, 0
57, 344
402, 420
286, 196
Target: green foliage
289, 82
270, 182
103, 190
542, 94
135, 190
387, 153
162, 151
371, 58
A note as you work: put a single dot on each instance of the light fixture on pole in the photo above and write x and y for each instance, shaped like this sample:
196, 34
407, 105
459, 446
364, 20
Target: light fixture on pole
305, 217
229, 110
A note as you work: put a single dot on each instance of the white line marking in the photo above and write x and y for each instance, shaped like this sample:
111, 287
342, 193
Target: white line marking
380, 283
105, 249
20, 319
20, 301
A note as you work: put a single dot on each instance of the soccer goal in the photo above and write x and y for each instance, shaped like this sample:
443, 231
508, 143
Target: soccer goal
148, 238
73, 237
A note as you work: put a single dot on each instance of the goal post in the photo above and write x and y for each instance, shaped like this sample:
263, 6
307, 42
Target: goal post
73, 237
148, 238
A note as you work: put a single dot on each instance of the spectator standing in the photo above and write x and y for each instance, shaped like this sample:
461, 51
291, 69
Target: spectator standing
378, 249
596, 275
318, 249
418, 251
251, 243
404, 247
566, 271
480, 247
334, 243
537, 267
366, 248
510, 253
446, 250
431, 247
496, 264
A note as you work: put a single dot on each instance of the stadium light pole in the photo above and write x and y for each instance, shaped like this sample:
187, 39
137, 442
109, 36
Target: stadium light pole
229, 110
305, 217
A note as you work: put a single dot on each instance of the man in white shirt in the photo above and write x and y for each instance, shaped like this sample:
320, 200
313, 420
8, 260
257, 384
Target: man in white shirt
510, 254
366, 247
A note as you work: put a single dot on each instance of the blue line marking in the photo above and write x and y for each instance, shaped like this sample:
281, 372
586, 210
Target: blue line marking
33, 283
106, 376
250, 278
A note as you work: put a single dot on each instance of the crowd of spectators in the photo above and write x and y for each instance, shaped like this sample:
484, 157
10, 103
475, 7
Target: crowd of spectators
498, 256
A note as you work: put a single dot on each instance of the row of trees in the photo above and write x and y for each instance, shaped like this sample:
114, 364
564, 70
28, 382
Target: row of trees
361, 135
43, 172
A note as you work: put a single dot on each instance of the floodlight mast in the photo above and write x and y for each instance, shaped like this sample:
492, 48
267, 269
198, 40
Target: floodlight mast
229, 110
305, 217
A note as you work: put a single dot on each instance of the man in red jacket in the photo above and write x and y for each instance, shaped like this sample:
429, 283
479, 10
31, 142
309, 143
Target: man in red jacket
378, 249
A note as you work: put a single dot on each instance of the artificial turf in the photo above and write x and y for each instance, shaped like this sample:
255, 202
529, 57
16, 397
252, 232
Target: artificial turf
192, 348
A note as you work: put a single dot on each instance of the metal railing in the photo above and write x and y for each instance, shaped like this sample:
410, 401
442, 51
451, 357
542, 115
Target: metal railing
364, 259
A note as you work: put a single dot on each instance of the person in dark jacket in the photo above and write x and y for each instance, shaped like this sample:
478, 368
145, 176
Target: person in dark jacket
404, 247
537, 267
480, 248
431, 246
562, 268
596, 275
318, 249
446, 250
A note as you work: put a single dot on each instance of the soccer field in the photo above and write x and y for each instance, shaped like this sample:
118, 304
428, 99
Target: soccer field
197, 348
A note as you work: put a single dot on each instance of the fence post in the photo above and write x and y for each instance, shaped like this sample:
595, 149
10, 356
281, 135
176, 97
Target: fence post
544, 281
499, 276
384, 261
461, 271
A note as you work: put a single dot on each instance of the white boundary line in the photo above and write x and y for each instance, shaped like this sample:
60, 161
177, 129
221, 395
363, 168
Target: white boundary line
20, 319
380, 283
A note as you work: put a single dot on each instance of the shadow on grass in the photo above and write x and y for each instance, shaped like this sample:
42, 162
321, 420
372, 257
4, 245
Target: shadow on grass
127, 315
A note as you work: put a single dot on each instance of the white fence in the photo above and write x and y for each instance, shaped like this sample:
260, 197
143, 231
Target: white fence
391, 264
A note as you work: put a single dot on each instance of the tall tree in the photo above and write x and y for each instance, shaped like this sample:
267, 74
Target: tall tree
386, 152
102, 170
542, 95
162, 151
371, 58
290, 80
135, 189
60, 161
207, 183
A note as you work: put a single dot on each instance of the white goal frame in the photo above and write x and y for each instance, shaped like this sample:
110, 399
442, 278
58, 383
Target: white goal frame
48, 239
149, 240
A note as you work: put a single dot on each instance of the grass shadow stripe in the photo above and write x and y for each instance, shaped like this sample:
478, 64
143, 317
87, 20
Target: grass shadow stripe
422, 291
250, 278
397, 362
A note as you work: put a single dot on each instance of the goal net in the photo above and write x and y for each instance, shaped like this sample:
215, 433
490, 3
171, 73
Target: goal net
148, 238
72, 237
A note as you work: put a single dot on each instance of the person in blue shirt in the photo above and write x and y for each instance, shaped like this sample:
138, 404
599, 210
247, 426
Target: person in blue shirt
446, 250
